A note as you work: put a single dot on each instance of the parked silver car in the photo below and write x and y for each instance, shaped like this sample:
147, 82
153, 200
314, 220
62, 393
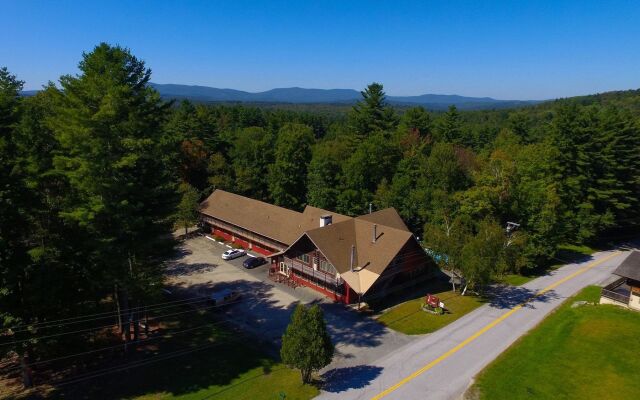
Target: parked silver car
233, 253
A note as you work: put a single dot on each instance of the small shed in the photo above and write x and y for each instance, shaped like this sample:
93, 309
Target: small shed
625, 291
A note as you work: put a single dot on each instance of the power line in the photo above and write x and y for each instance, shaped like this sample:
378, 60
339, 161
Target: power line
108, 313
110, 325
166, 335
135, 364
113, 314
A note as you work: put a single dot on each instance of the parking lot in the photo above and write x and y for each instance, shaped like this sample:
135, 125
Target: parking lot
265, 306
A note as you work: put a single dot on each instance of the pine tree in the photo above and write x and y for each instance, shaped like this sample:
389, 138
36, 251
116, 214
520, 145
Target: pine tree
323, 177
13, 195
416, 119
118, 164
372, 114
450, 127
252, 152
288, 173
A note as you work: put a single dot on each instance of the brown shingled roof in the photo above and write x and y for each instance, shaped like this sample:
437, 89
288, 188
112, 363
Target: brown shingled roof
278, 223
311, 218
334, 241
371, 259
388, 217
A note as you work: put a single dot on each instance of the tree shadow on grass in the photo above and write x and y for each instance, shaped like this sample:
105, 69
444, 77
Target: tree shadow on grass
438, 283
221, 353
342, 379
245, 337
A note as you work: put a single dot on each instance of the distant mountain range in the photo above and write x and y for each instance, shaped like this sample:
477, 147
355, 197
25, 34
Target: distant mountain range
296, 95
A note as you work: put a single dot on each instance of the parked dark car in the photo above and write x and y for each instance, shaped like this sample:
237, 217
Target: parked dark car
253, 262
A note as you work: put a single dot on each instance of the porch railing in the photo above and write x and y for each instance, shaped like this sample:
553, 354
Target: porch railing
610, 292
317, 278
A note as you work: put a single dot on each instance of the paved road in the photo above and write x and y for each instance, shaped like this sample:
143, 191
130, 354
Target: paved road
442, 365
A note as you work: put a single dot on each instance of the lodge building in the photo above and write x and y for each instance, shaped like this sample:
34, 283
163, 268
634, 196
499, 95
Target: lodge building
348, 259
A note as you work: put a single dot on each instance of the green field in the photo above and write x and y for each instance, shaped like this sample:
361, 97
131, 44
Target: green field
409, 318
587, 352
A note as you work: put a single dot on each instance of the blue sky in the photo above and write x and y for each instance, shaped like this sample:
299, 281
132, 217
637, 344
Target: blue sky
502, 49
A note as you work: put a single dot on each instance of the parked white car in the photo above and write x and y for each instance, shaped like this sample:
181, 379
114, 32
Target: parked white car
233, 253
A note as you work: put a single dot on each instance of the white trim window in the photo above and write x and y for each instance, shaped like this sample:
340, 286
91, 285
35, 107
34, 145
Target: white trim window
326, 267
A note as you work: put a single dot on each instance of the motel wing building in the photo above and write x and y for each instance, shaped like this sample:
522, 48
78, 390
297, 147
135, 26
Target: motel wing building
348, 259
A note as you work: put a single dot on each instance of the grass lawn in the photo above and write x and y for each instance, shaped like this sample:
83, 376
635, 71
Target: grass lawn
516, 279
566, 252
409, 318
232, 367
576, 249
588, 352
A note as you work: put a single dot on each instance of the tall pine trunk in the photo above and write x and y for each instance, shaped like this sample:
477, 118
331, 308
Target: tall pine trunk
127, 323
27, 375
118, 310
136, 324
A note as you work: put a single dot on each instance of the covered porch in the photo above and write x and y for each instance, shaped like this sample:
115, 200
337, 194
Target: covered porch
292, 272
616, 293
625, 292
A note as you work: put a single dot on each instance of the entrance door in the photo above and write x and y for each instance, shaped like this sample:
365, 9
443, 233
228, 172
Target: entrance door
284, 269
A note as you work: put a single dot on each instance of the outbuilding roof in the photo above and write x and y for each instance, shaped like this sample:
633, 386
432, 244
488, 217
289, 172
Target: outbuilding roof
630, 267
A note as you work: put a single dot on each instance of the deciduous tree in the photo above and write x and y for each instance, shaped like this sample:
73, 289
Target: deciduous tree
306, 344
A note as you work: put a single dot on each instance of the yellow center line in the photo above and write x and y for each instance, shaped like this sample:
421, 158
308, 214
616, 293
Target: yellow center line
489, 326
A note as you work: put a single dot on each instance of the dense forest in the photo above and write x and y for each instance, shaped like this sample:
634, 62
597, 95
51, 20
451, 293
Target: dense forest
97, 170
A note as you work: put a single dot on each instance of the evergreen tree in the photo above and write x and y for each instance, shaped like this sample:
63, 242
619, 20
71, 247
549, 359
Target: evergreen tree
572, 133
117, 162
13, 196
288, 174
616, 159
416, 119
519, 122
306, 344
57, 284
374, 160
252, 152
450, 128
323, 179
372, 114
